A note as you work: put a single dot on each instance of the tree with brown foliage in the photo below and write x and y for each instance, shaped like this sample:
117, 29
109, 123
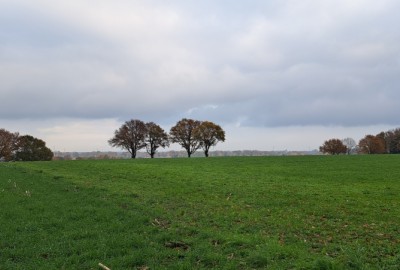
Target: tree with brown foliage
183, 134
8, 145
32, 149
209, 134
155, 138
130, 136
371, 144
333, 147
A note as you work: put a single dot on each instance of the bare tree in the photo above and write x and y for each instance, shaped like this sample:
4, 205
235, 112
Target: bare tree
350, 144
209, 134
183, 134
155, 138
130, 136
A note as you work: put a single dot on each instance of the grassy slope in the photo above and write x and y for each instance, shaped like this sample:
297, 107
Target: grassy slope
233, 213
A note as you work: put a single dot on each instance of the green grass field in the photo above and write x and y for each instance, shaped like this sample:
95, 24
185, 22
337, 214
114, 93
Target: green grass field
312, 212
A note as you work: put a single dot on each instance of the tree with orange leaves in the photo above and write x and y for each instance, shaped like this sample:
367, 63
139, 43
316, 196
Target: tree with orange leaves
333, 147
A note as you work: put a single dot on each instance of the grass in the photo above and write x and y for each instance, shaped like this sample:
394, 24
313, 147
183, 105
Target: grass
312, 212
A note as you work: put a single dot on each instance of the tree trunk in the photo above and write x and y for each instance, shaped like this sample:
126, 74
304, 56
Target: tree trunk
206, 152
152, 155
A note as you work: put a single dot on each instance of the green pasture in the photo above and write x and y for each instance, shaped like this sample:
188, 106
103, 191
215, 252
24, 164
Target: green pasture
310, 212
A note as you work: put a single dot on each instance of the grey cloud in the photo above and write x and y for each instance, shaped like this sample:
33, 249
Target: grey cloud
255, 64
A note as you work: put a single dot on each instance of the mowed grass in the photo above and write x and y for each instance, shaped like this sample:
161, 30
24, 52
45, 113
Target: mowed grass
311, 212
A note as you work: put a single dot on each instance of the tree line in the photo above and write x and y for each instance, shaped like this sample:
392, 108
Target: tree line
385, 142
14, 147
191, 134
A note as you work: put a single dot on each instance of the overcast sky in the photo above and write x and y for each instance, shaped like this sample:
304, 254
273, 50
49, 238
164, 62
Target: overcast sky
278, 74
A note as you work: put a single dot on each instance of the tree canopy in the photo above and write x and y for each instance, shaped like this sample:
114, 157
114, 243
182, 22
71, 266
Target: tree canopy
183, 134
392, 141
32, 149
382, 143
371, 144
155, 137
208, 134
130, 136
191, 134
14, 147
333, 147
8, 144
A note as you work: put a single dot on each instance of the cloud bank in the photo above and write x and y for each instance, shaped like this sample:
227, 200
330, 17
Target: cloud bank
250, 64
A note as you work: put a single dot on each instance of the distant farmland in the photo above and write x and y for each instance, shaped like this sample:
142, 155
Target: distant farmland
306, 212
